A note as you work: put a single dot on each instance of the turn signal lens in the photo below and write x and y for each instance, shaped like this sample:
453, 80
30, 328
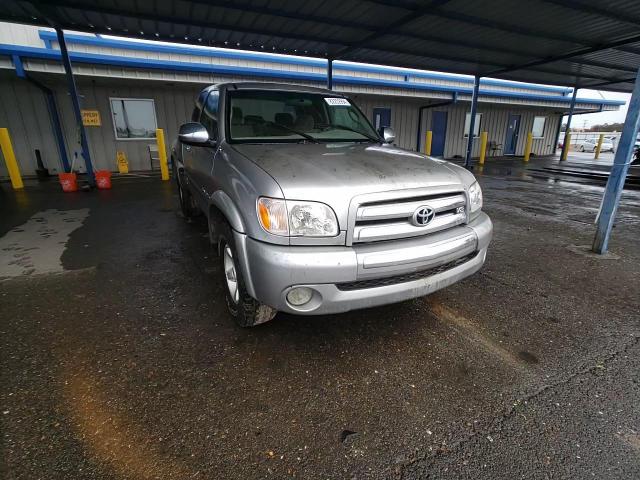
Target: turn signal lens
272, 213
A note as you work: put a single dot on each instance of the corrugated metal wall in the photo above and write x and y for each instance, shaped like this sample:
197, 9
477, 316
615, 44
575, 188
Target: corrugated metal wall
23, 110
494, 122
173, 107
404, 120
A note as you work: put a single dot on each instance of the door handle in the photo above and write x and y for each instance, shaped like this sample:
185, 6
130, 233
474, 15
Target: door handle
187, 148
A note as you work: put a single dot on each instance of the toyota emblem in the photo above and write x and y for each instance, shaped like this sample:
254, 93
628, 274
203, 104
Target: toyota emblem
423, 216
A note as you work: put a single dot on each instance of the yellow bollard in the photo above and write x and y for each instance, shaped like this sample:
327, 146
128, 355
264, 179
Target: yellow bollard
600, 140
427, 142
162, 153
10, 159
483, 147
567, 142
527, 148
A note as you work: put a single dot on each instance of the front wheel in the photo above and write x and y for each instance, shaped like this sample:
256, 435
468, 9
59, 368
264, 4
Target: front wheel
582, 148
245, 310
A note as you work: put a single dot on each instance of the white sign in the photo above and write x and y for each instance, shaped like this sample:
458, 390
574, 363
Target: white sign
337, 102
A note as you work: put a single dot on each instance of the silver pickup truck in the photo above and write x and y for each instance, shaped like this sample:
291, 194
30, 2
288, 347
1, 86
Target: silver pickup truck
314, 212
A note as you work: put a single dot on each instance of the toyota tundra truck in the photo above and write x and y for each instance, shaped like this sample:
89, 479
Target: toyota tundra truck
312, 211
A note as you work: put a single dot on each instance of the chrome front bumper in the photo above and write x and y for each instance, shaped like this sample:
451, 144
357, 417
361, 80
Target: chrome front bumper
270, 271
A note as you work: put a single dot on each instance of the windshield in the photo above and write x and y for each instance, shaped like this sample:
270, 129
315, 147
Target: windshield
283, 116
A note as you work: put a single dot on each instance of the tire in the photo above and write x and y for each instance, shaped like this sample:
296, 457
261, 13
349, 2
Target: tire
582, 148
245, 310
187, 203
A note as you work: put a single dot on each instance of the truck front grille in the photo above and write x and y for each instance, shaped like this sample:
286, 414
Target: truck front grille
392, 219
407, 277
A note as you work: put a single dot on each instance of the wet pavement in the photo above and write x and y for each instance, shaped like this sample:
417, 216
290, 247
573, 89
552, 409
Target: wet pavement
123, 362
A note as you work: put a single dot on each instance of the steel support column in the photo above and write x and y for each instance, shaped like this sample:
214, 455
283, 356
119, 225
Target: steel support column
472, 120
557, 135
51, 107
73, 92
565, 147
621, 162
330, 74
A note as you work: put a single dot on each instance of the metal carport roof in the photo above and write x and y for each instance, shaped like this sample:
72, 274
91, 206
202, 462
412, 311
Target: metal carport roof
584, 43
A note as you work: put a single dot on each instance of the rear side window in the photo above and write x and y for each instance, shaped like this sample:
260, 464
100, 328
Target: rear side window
195, 116
209, 116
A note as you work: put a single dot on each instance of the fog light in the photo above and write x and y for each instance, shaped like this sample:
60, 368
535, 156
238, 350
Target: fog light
299, 296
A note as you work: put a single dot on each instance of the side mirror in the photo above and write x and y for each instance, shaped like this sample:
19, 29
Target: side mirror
388, 134
193, 133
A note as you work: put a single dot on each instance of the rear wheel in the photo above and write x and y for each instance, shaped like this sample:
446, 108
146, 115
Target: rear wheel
246, 311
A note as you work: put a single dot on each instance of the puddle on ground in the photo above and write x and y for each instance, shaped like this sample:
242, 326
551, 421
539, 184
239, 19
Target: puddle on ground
36, 246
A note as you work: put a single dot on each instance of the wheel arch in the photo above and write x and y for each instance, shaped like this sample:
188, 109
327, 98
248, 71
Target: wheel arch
223, 209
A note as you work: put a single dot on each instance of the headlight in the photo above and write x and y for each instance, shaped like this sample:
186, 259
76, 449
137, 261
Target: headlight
475, 198
297, 218
311, 219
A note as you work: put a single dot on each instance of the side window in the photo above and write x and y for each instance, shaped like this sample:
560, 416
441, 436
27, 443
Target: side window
195, 116
209, 116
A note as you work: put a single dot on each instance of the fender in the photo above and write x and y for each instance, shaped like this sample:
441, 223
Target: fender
224, 203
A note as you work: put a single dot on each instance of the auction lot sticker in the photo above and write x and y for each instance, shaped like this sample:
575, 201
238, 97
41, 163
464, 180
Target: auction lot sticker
337, 102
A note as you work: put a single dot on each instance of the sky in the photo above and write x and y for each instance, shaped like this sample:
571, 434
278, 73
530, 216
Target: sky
601, 117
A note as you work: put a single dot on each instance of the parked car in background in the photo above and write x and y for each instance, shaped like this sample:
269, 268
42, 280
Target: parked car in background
590, 144
313, 211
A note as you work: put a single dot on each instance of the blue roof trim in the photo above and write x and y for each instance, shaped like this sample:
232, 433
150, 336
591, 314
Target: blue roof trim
49, 37
93, 58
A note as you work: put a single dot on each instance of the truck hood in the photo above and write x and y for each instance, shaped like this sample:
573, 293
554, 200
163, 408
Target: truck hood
335, 173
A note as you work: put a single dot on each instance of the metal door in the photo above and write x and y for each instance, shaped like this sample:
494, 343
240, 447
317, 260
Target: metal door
439, 129
511, 140
381, 118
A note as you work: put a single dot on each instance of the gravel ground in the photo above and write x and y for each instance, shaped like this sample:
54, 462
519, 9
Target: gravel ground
125, 363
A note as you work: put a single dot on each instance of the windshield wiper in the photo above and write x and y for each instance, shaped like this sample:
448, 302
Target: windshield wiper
342, 127
302, 134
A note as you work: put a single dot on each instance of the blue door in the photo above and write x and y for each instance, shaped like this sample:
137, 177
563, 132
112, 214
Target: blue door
381, 118
439, 129
511, 140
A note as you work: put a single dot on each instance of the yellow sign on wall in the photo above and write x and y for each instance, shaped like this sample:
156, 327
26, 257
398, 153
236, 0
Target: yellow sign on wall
123, 164
91, 118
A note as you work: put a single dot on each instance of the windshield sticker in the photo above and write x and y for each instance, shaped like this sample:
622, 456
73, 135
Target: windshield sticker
337, 102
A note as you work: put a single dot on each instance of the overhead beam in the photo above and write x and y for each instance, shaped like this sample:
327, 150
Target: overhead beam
209, 25
394, 25
625, 17
518, 29
613, 82
569, 55
375, 33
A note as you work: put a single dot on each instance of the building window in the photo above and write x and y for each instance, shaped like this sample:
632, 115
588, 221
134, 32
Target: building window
476, 125
133, 118
538, 127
